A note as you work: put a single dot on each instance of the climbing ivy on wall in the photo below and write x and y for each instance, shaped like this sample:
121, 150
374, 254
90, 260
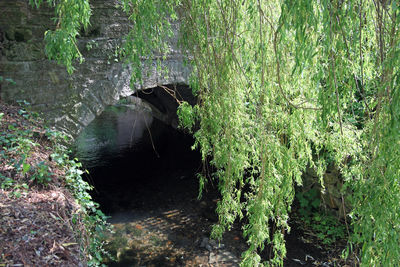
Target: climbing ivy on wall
281, 85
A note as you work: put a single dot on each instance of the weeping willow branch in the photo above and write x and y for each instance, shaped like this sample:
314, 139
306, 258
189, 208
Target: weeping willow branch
348, 57
278, 74
334, 72
362, 60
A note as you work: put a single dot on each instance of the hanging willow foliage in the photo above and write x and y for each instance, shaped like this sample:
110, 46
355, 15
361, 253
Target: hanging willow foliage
71, 16
283, 85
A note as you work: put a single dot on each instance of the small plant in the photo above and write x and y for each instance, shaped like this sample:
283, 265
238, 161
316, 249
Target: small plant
41, 174
309, 202
156, 241
9, 80
6, 182
16, 146
93, 218
328, 228
325, 226
91, 44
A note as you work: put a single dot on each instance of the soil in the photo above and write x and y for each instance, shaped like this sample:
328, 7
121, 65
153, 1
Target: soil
35, 220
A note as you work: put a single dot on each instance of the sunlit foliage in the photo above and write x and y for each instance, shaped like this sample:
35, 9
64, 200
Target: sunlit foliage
283, 85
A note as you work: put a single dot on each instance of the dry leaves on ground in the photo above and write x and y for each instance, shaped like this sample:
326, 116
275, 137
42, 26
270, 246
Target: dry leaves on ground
36, 226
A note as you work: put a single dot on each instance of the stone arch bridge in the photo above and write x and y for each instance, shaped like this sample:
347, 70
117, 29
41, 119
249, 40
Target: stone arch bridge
71, 102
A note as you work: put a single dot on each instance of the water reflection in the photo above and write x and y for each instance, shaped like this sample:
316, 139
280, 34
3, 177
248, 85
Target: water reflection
117, 129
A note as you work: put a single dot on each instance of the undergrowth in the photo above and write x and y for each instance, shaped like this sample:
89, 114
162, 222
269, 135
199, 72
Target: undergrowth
18, 140
322, 224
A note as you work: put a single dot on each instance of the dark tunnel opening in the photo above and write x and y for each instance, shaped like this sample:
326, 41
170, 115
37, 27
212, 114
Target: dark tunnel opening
159, 169
136, 161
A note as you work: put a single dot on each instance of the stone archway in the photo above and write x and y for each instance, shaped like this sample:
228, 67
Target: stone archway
71, 102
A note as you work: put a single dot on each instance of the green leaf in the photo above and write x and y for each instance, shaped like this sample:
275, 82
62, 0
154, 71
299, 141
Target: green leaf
25, 168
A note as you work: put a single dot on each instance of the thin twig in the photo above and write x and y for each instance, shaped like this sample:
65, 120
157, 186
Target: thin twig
279, 76
171, 92
151, 138
334, 74
345, 215
362, 62
349, 58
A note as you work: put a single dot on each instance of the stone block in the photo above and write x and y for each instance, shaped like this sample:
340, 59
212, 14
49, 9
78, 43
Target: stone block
38, 33
44, 98
329, 201
21, 51
99, 48
66, 124
13, 13
39, 65
107, 12
101, 4
86, 115
116, 30
42, 19
11, 67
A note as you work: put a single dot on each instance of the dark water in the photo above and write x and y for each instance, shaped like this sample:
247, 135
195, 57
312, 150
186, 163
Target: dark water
144, 174
117, 130
136, 161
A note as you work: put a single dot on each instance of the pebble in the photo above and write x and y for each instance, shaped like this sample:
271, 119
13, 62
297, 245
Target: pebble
210, 245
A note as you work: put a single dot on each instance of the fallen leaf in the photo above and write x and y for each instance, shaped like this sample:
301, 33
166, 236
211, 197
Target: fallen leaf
54, 217
69, 244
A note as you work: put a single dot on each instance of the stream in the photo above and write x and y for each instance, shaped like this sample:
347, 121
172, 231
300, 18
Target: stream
144, 175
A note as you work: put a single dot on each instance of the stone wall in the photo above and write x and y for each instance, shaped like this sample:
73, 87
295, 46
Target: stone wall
70, 102
331, 195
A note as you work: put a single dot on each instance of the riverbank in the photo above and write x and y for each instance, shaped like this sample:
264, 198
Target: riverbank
44, 215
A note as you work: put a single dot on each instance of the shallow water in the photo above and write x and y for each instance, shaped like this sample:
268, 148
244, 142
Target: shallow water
144, 174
